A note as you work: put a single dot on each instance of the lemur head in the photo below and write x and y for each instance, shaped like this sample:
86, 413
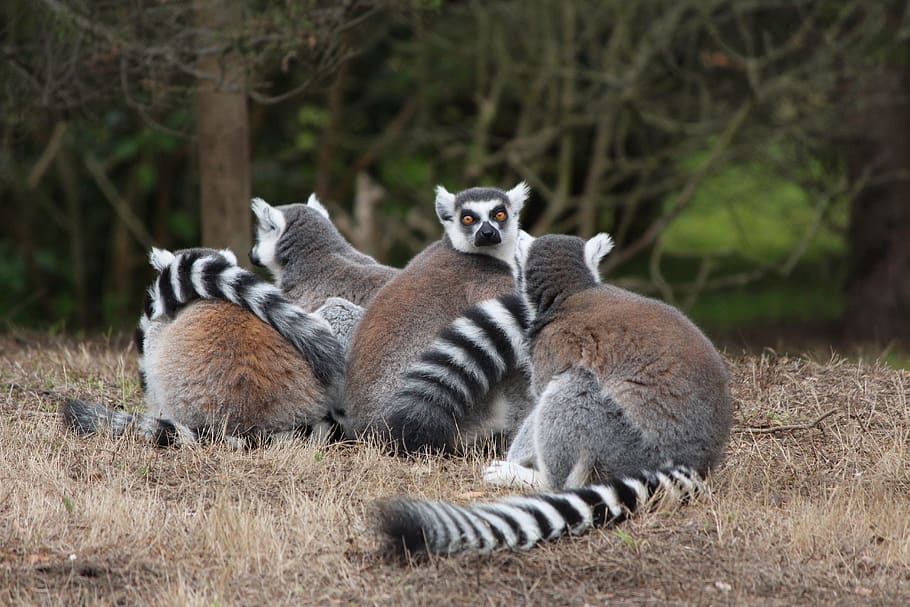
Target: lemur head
482, 220
275, 227
557, 266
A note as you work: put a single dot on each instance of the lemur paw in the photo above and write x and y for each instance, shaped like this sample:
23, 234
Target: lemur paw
510, 474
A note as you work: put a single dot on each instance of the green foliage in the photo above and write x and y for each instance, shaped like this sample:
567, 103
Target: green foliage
750, 211
626, 538
769, 304
183, 225
407, 172
12, 276
460, 94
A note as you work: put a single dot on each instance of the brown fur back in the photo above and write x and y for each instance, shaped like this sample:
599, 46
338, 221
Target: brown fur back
648, 354
217, 363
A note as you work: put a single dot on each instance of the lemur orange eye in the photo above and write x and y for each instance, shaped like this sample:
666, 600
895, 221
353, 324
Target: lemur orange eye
467, 220
500, 216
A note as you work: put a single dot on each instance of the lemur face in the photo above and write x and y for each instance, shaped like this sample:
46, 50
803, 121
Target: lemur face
271, 225
482, 220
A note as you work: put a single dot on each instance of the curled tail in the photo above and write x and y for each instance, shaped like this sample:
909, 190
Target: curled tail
91, 418
421, 527
209, 274
457, 372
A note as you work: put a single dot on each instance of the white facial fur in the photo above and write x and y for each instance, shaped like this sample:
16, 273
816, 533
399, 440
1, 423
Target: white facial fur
482, 209
595, 250
505, 250
269, 228
314, 203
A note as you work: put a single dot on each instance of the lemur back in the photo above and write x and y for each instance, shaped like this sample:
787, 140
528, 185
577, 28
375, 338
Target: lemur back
217, 362
255, 365
390, 390
626, 383
309, 258
631, 395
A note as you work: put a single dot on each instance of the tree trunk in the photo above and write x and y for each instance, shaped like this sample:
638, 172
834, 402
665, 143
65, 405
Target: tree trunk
878, 285
222, 133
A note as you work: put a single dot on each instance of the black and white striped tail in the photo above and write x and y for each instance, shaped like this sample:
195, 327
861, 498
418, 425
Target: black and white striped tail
459, 369
92, 418
194, 274
421, 527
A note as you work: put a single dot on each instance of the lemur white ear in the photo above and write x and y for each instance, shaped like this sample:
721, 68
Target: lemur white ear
518, 195
314, 203
445, 204
229, 255
260, 207
160, 258
596, 249
267, 216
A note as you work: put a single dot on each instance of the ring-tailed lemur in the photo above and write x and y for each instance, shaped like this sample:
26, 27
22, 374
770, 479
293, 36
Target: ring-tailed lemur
403, 382
309, 259
313, 264
257, 367
632, 395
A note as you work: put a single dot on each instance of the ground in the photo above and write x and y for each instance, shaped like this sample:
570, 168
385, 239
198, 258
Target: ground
810, 506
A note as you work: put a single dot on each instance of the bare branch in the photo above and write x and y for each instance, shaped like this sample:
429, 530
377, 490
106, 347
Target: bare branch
685, 196
47, 156
117, 202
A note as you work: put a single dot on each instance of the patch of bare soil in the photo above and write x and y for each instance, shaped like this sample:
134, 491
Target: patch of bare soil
812, 506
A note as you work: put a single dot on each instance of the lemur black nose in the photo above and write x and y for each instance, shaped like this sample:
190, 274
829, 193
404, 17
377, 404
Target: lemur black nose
254, 258
487, 235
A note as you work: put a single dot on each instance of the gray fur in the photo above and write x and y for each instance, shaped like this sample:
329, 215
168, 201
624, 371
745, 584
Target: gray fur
342, 316
626, 383
478, 195
90, 418
313, 261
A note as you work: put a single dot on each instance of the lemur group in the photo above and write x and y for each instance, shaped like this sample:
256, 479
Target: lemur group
602, 400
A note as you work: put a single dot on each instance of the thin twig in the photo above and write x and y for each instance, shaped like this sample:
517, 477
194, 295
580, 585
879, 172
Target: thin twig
133, 224
47, 156
787, 427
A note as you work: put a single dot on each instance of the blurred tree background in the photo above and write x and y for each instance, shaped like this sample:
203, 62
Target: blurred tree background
750, 157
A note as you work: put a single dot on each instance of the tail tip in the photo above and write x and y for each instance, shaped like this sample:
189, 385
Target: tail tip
410, 434
403, 538
77, 416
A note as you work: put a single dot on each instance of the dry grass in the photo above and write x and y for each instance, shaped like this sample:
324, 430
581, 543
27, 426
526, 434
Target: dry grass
817, 515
